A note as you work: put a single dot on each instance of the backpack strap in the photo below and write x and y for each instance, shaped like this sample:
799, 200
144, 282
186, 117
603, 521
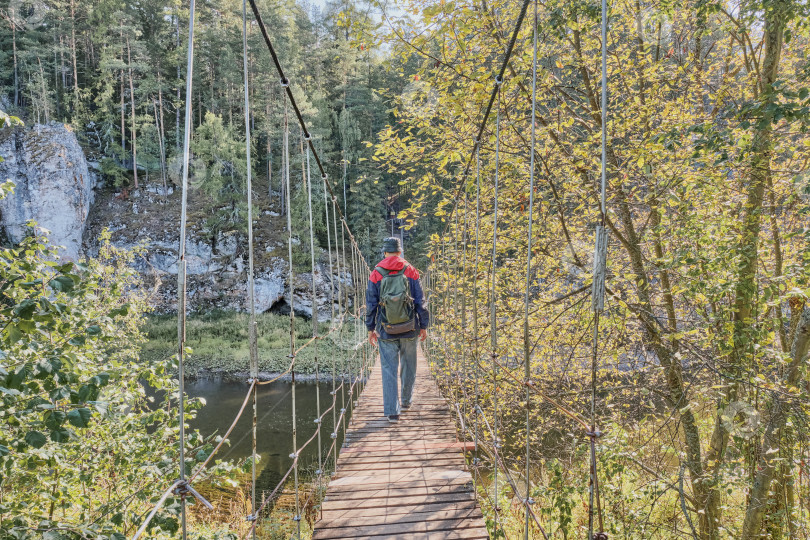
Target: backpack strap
386, 273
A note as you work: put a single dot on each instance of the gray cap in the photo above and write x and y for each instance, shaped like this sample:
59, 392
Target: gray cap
392, 245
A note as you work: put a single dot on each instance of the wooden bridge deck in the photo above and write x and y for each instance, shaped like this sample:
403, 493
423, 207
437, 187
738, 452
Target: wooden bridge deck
405, 480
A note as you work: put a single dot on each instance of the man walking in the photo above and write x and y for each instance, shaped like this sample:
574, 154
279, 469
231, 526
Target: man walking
395, 317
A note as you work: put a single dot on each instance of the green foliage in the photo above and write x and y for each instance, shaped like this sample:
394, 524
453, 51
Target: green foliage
76, 421
220, 172
707, 277
220, 341
6, 120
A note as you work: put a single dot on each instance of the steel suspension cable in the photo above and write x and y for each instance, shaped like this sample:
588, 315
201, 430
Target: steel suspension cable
314, 320
495, 93
476, 350
346, 311
181, 270
181, 487
526, 340
464, 352
340, 309
494, 295
329, 253
332, 307
290, 276
286, 84
254, 353
598, 297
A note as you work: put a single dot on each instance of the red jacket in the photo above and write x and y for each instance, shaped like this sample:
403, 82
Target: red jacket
373, 313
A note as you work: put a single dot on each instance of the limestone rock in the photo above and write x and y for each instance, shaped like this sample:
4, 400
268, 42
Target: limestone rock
53, 185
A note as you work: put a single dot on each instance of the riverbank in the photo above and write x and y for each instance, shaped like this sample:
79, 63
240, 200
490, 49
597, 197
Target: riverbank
219, 344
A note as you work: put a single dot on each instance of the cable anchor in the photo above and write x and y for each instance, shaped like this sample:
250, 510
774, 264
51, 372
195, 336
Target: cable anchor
183, 488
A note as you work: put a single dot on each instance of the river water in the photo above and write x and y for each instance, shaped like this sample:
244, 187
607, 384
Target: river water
274, 433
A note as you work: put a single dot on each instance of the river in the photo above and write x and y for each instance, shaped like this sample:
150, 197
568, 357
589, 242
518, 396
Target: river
274, 433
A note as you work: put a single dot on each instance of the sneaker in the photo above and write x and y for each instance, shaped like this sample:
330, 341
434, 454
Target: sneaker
405, 406
394, 418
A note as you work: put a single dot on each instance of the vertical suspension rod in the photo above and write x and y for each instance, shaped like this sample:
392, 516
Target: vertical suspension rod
181, 271
598, 291
254, 354
494, 296
526, 339
314, 319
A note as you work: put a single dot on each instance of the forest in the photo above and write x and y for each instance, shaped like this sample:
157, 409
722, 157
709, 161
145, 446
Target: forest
677, 409
115, 72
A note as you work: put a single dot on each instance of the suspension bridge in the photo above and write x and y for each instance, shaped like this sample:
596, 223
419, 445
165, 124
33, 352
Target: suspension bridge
421, 477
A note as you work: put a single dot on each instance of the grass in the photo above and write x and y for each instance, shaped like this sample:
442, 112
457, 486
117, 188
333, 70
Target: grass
219, 341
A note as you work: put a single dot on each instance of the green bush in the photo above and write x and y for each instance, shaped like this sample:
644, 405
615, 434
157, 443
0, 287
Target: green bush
219, 341
83, 451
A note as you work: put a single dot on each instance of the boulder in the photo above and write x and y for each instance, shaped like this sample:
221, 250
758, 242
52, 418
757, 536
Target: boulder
53, 185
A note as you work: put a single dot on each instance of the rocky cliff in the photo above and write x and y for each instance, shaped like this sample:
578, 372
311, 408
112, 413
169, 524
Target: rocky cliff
55, 188
53, 185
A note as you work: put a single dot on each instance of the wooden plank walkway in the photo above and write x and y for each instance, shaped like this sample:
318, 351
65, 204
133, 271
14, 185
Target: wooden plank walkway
405, 480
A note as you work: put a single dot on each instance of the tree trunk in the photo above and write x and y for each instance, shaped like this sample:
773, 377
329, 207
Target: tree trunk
45, 107
179, 78
123, 111
777, 415
160, 145
73, 53
162, 135
62, 62
132, 127
746, 290
269, 154
16, 72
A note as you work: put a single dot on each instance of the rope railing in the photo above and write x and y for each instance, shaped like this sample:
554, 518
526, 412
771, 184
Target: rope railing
453, 294
295, 456
449, 284
358, 358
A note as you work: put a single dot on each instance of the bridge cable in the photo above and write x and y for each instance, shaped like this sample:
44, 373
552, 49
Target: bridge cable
494, 295
181, 270
254, 350
526, 344
314, 320
598, 298
463, 330
332, 321
488, 110
291, 285
285, 82
181, 487
476, 351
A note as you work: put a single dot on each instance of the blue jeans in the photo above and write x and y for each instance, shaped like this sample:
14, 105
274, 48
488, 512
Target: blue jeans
396, 353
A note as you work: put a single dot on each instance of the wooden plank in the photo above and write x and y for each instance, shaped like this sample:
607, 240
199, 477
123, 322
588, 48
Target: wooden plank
382, 514
435, 514
383, 491
406, 480
358, 488
394, 530
461, 446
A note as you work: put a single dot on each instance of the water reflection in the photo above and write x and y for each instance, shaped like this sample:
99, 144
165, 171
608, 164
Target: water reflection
274, 432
